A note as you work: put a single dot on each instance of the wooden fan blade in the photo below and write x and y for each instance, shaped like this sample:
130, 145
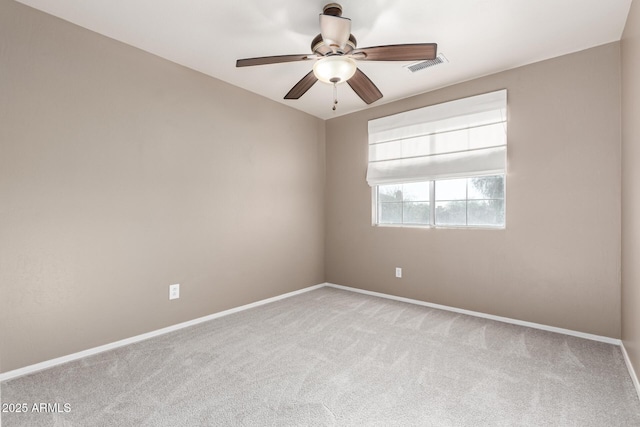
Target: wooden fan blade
273, 60
397, 52
364, 87
302, 86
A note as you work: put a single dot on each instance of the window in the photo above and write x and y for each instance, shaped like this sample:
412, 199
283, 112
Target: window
460, 202
404, 204
477, 201
442, 165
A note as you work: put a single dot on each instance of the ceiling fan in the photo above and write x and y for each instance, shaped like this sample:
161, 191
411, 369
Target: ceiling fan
335, 55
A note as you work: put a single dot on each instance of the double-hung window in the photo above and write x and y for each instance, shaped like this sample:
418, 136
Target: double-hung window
442, 165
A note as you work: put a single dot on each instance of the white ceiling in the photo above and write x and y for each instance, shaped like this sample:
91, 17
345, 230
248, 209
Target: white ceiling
478, 37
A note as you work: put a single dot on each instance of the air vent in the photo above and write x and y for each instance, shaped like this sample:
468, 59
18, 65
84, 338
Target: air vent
417, 66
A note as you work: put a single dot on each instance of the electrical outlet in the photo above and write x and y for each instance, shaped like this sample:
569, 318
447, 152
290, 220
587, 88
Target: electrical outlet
174, 291
398, 272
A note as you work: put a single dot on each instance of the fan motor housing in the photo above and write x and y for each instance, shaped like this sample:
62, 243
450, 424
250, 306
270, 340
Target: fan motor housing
319, 47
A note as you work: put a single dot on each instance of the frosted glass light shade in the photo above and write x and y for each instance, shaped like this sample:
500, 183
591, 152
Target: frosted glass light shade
334, 69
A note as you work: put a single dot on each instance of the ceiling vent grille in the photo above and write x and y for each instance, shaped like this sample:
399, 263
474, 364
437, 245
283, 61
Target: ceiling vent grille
417, 66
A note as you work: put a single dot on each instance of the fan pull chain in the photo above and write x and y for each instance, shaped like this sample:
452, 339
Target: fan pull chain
335, 96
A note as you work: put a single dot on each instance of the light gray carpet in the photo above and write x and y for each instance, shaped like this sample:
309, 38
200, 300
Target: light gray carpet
332, 357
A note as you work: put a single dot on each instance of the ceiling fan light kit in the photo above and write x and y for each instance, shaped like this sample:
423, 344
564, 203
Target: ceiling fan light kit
334, 69
335, 52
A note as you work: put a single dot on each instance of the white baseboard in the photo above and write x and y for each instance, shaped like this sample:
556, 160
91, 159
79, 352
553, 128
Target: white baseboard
632, 372
593, 337
90, 352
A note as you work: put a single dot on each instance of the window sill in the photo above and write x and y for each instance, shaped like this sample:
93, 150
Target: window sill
442, 227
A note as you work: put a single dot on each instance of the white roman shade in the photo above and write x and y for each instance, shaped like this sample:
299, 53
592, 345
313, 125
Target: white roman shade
462, 138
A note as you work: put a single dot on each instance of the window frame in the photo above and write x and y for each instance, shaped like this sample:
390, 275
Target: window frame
375, 214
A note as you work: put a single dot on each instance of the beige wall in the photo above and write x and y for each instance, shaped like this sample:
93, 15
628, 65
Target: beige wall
122, 173
631, 185
558, 261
